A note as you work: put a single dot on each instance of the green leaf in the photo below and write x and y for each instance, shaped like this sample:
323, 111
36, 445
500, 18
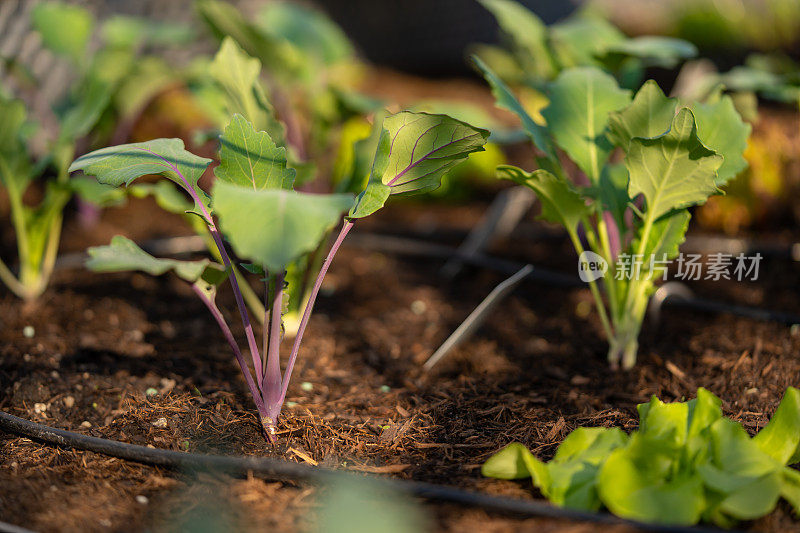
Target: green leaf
755, 499
280, 57
414, 151
274, 227
561, 204
250, 158
527, 33
748, 479
512, 462
120, 165
780, 438
664, 240
309, 30
790, 488
123, 255
96, 193
15, 165
673, 170
372, 198
577, 116
704, 411
65, 29
573, 49
81, 117
12, 117
237, 74
572, 473
649, 115
667, 423
166, 195
505, 99
721, 128
612, 190
631, 489
737, 459
421, 148
654, 50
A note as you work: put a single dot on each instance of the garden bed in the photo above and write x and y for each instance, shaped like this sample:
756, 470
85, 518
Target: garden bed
360, 401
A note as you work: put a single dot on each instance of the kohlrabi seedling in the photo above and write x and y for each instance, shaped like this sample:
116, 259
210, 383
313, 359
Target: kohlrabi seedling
268, 224
627, 218
235, 82
685, 464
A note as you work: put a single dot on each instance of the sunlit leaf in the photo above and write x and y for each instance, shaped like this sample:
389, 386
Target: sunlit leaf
561, 204
673, 170
577, 116
65, 29
124, 255
274, 227
414, 151
250, 158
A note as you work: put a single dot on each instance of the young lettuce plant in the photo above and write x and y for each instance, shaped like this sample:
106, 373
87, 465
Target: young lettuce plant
254, 207
685, 463
632, 215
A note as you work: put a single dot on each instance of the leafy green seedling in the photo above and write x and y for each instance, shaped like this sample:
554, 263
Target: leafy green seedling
236, 82
100, 96
267, 223
310, 68
685, 463
633, 215
538, 53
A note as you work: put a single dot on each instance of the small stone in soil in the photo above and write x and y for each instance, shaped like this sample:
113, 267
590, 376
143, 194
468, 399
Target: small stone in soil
160, 422
307, 386
28, 332
142, 499
69, 401
418, 307
86, 424
39, 408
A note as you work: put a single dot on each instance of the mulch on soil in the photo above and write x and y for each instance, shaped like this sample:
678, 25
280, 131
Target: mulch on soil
359, 399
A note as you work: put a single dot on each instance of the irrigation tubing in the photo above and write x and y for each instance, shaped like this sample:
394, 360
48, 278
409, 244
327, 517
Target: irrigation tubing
414, 247
277, 469
419, 248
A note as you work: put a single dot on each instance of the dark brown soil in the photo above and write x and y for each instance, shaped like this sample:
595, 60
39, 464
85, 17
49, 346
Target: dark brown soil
359, 400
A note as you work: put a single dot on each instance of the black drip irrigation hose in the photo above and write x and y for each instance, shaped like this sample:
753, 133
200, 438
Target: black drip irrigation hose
277, 469
415, 247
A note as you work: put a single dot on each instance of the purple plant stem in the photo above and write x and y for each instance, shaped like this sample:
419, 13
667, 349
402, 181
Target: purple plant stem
265, 324
212, 228
271, 386
614, 241
346, 227
226, 331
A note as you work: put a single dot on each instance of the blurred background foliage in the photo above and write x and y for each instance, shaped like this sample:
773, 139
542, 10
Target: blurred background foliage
146, 69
